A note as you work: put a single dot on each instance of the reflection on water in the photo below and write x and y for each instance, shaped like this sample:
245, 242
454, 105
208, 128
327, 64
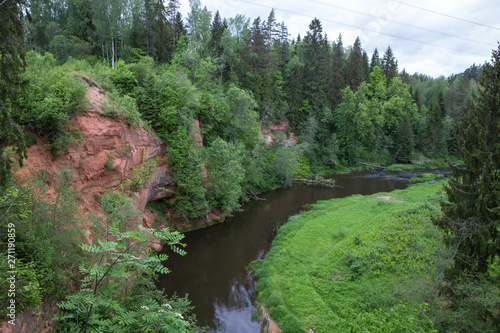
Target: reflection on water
213, 270
232, 314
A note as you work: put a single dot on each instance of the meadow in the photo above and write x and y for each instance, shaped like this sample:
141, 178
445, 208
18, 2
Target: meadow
362, 263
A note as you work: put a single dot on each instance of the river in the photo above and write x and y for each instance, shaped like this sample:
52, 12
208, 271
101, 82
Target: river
213, 270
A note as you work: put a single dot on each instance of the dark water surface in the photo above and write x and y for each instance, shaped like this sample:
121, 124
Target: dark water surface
213, 271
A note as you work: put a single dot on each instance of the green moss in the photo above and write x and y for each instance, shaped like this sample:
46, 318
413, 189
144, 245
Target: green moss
363, 253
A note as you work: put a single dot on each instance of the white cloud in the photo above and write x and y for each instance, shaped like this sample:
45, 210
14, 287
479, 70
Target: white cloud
419, 50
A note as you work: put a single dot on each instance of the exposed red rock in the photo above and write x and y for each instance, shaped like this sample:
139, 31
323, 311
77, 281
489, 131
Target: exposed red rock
269, 134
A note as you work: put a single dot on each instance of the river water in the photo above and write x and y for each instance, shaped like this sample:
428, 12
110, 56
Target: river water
213, 270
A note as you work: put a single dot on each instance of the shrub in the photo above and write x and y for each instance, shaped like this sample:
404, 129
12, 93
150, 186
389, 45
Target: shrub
109, 162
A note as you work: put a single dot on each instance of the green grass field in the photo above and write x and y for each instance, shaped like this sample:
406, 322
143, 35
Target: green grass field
362, 263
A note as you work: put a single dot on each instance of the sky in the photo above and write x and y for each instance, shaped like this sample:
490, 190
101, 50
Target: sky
440, 37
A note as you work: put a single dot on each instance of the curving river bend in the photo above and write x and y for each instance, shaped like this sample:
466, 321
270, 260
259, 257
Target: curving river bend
213, 271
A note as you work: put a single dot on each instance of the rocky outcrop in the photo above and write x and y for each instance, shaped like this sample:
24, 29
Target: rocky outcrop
270, 134
105, 157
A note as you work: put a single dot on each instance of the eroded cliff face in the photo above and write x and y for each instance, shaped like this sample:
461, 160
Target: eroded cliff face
108, 156
269, 134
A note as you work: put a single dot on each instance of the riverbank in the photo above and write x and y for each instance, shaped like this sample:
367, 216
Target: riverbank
356, 262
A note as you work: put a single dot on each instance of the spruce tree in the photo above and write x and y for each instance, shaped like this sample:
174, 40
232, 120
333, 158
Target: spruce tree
355, 67
337, 79
375, 61
472, 214
435, 136
216, 30
389, 65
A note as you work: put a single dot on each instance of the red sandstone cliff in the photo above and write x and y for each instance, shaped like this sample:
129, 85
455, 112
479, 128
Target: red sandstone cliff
105, 138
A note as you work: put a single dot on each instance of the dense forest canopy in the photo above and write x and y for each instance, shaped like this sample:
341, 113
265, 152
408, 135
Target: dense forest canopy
237, 78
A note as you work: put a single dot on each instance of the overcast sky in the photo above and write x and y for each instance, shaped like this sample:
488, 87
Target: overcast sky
422, 41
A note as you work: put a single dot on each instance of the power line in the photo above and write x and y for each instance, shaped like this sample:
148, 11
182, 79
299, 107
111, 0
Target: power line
398, 22
446, 15
368, 30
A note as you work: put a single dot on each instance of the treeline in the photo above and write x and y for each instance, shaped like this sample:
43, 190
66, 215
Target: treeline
236, 76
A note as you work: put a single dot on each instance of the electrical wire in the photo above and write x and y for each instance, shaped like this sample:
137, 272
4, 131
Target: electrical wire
365, 29
445, 15
398, 22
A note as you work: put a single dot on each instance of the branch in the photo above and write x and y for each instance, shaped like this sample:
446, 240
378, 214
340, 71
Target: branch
321, 181
371, 165
254, 195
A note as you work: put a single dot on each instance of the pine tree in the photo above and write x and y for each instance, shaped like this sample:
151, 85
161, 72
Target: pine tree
375, 61
472, 215
216, 30
389, 65
337, 79
435, 144
406, 140
316, 58
355, 67
173, 11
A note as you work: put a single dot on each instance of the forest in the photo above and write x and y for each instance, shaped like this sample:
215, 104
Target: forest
237, 77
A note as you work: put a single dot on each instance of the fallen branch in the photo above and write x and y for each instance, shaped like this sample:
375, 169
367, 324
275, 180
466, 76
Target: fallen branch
254, 195
372, 166
318, 180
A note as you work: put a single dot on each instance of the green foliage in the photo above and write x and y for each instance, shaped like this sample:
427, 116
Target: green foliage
109, 162
473, 305
45, 228
120, 212
53, 97
103, 303
12, 64
141, 174
472, 215
382, 252
225, 175
123, 107
402, 167
399, 318
123, 78
426, 177
14, 210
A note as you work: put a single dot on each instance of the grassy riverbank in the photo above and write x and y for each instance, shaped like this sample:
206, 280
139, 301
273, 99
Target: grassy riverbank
355, 263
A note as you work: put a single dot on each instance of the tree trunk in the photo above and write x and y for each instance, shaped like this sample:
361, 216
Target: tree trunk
112, 52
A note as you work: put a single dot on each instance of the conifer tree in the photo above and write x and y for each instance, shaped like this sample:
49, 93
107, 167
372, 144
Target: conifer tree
316, 57
216, 30
337, 79
355, 67
375, 61
389, 65
472, 215
435, 131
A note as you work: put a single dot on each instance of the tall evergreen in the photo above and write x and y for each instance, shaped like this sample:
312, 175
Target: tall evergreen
472, 215
355, 68
389, 65
337, 79
173, 12
375, 61
257, 41
316, 57
435, 142
216, 30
